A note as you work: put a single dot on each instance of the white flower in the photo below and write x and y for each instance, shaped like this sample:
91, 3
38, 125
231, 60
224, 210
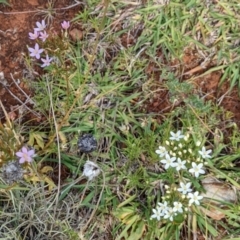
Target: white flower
40, 26
91, 170
156, 214
180, 164
194, 198
176, 136
162, 207
196, 169
168, 161
161, 151
169, 214
185, 188
177, 207
205, 153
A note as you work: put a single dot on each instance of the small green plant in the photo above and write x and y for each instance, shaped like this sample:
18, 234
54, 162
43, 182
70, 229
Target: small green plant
4, 2
184, 160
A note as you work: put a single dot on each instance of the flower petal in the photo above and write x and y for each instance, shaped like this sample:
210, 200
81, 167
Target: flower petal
31, 152
19, 154
21, 160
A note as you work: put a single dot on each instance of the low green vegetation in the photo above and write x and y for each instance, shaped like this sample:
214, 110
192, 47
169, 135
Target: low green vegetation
100, 163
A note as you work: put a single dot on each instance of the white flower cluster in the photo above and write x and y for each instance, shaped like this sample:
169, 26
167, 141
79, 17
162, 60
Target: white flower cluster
171, 159
164, 211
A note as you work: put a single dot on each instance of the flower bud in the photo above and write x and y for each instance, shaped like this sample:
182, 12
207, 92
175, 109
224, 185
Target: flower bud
198, 143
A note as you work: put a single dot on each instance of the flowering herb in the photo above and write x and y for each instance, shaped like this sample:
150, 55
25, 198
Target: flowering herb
185, 188
35, 52
46, 61
176, 136
205, 153
156, 214
177, 207
163, 207
65, 25
34, 35
194, 198
169, 214
40, 26
168, 161
180, 195
180, 164
196, 169
43, 36
25, 155
161, 151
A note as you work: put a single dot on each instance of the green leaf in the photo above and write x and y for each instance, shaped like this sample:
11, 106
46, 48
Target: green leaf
38, 137
208, 226
130, 199
4, 2
139, 231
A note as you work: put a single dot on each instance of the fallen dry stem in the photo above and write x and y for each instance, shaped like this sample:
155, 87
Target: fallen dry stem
58, 145
9, 122
21, 102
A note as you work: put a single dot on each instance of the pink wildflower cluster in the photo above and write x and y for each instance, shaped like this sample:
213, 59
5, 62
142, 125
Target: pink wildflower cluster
40, 32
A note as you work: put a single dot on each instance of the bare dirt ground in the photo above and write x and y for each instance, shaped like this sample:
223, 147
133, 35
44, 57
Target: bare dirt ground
206, 86
19, 19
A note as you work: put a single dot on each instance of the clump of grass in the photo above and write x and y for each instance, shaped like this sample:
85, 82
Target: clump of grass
27, 213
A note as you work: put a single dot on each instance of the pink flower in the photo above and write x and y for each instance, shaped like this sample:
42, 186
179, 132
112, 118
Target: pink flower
65, 25
46, 62
43, 36
40, 26
35, 52
34, 35
25, 155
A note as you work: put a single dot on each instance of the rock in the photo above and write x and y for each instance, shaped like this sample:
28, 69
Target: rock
76, 34
87, 143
